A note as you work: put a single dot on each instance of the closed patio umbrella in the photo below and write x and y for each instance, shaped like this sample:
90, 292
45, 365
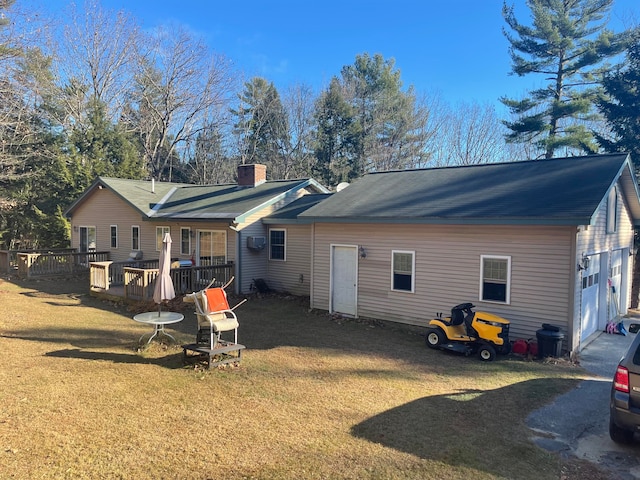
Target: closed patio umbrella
164, 285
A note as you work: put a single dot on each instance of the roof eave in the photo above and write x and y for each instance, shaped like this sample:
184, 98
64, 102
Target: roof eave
630, 190
69, 211
568, 221
283, 221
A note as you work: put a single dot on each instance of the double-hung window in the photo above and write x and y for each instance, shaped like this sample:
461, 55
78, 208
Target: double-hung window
403, 270
160, 232
495, 278
114, 236
135, 237
185, 241
277, 244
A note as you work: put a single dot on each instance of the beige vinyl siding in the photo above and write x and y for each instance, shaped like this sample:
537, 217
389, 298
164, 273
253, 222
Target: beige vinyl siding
447, 260
254, 264
294, 274
103, 208
594, 239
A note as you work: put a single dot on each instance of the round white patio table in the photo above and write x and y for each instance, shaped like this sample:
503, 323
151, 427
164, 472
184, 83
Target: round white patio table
158, 320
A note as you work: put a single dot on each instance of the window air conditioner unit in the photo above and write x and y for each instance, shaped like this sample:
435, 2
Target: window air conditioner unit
256, 243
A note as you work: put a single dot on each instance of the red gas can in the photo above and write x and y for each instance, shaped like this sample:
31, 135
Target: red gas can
520, 346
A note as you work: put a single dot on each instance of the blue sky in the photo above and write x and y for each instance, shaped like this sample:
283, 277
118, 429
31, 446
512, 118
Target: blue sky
454, 47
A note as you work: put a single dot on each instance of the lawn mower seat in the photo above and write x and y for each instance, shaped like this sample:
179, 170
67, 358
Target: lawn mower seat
468, 323
457, 317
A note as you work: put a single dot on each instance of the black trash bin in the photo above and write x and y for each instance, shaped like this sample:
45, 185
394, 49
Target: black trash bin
549, 341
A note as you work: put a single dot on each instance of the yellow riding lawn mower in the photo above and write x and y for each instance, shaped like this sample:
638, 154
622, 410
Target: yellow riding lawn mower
469, 332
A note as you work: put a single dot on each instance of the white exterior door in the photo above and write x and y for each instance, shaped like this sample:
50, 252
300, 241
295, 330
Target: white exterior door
344, 279
590, 297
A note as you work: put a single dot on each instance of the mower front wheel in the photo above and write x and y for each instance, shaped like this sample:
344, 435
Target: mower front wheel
486, 352
434, 338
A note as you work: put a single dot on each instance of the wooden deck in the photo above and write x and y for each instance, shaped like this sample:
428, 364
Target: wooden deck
116, 282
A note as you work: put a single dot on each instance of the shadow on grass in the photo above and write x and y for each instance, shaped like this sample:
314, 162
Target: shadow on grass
266, 322
80, 337
465, 429
173, 361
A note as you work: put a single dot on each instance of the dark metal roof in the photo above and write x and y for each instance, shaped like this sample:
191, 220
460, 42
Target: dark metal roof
559, 191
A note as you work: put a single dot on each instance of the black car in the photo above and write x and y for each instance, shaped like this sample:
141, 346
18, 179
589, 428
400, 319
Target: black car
624, 418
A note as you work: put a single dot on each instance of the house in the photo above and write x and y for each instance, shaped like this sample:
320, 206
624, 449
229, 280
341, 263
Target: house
210, 224
535, 242
289, 244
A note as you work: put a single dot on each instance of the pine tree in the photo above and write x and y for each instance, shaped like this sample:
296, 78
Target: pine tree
621, 105
568, 44
262, 127
338, 136
391, 128
105, 149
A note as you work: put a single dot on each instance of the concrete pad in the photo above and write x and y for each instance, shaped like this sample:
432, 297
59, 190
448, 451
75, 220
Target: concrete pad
577, 422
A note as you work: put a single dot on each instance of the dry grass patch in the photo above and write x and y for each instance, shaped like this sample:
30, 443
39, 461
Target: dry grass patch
313, 398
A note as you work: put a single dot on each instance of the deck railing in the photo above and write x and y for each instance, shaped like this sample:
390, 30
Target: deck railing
138, 283
9, 258
50, 263
116, 269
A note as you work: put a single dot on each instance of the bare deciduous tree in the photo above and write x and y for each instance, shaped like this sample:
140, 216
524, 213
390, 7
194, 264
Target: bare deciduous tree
467, 134
179, 87
96, 59
298, 102
24, 80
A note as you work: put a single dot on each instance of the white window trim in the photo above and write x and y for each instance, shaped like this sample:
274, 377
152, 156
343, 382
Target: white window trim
163, 229
182, 229
413, 270
508, 291
139, 237
117, 236
284, 259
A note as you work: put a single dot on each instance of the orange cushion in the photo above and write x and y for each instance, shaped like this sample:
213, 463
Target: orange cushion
216, 299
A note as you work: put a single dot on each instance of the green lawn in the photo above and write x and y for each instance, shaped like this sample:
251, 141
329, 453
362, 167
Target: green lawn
314, 398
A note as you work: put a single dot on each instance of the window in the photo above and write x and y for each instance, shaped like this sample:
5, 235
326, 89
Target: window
135, 237
88, 238
160, 232
185, 241
277, 239
495, 279
114, 236
612, 210
402, 271
212, 248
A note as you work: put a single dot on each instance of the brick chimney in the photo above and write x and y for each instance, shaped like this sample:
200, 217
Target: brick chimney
252, 175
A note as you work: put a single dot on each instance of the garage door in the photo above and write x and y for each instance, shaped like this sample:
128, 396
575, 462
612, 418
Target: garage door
616, 282
590, 294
